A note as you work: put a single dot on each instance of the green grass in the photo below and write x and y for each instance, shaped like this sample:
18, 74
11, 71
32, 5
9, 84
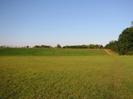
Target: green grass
66, 77
50, 52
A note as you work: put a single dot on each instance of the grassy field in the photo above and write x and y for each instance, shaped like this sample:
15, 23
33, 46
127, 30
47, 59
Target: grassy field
50, 52
66, 77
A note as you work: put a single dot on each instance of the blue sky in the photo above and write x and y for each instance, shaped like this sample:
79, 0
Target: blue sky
65, 22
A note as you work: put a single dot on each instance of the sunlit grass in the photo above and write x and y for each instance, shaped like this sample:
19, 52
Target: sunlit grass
66, 77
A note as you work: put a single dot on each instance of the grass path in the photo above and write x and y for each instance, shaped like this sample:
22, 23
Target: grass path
118, 75
120, 91
109, 52
117, 78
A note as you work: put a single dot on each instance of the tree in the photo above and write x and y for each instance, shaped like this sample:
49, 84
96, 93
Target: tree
58, 46
27, 46
125, 41
113, 45
42, 46
132, 24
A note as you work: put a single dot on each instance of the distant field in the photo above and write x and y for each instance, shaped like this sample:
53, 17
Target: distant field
66, 77
50, 52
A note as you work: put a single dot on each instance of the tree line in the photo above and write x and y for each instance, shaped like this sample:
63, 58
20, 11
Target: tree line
90, 46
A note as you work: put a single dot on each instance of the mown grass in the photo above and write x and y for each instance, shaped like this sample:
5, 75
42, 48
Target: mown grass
66, 77
50, 52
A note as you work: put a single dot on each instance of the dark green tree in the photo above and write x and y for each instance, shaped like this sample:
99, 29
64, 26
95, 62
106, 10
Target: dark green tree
125, 41
58, 46
113, 45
